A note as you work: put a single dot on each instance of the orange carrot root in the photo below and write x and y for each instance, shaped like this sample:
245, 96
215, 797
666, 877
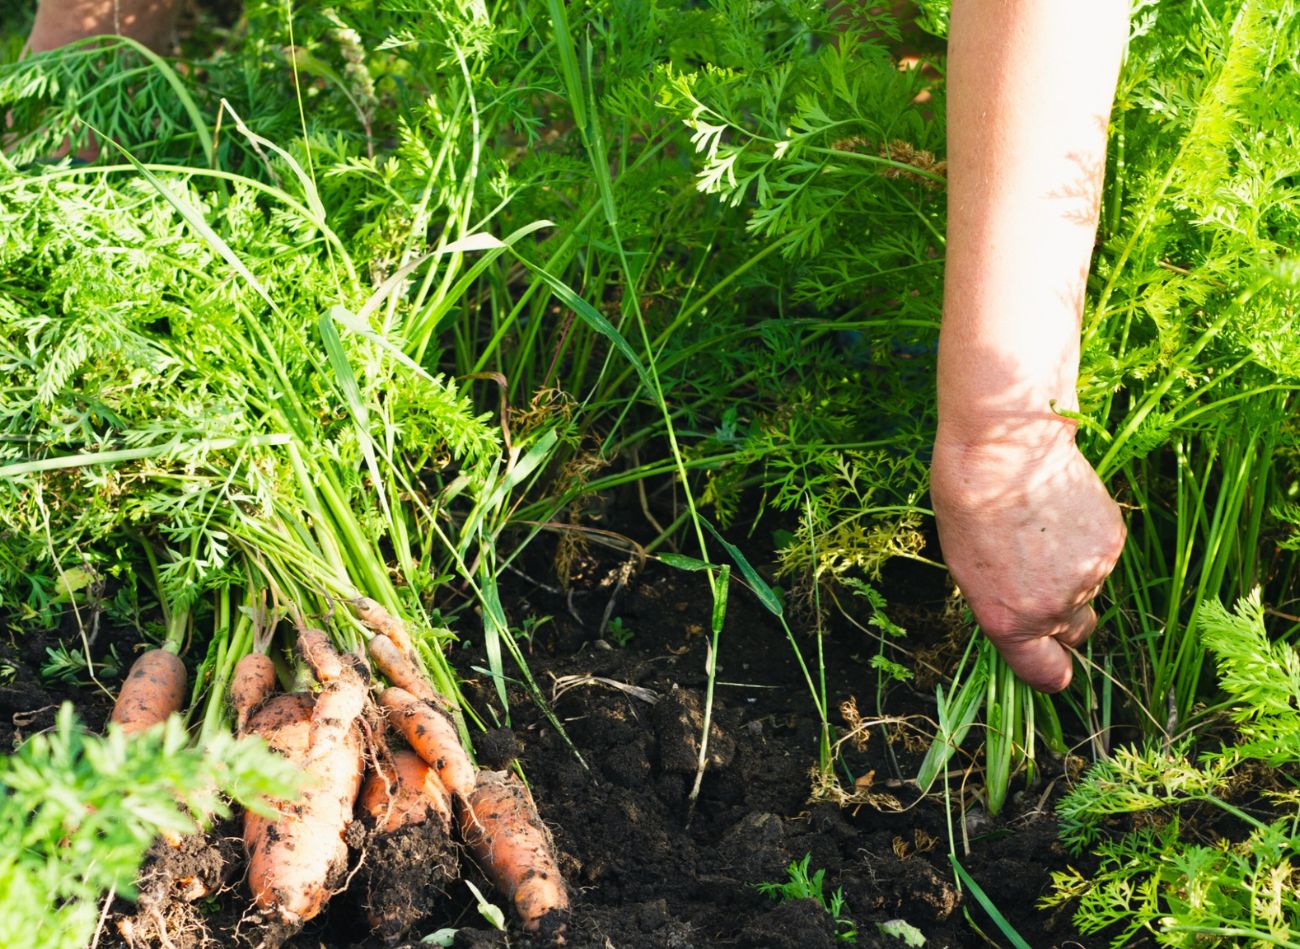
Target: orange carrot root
378, 620
154, 689
513, 847
295, 858
338, 706
251, 684
399, 670
407, 793
433, 737
316, 648
342, 698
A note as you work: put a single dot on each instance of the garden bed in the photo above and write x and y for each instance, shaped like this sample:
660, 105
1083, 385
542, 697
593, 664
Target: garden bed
640, 875
381, 314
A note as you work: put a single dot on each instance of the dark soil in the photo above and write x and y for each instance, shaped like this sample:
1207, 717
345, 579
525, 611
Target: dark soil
645, 868
404, 878
648, 871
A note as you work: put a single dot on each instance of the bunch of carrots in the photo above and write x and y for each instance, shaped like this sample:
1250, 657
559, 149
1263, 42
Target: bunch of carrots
334, 731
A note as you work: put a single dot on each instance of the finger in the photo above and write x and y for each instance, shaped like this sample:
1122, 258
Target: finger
1090, 594
1079, 627
1041, 662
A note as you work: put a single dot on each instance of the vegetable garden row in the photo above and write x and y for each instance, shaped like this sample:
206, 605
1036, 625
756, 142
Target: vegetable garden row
373, 326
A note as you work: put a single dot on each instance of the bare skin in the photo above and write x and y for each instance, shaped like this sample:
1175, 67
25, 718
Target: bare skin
1027, 528
59, 22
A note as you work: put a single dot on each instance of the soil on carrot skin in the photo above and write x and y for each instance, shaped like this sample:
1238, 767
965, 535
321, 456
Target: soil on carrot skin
644, 868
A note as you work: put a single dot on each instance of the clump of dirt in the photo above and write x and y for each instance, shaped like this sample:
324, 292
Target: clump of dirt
403, 878
794, 924
174, 877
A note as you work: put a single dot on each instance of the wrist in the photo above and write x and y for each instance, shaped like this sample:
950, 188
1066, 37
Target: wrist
992, 462
1024, 430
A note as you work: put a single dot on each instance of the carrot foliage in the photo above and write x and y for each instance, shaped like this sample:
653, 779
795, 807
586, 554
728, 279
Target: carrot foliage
78, 811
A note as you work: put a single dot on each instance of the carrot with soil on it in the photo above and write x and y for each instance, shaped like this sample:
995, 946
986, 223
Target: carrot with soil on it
316, 648
378, 620
401, 671
252, 683
342, 697
296, 857
513, 847
338, 706
412, 816
404, 793
153, 690
432, 735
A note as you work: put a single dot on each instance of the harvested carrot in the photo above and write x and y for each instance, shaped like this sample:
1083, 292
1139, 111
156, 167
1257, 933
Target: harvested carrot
316, 648
338, 706
399, 670
513, 847
154, 689
378, 620
406, 793
342, 698
433, 737
296, 858
251, 684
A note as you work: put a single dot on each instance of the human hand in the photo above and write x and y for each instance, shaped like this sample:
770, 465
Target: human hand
1029, 533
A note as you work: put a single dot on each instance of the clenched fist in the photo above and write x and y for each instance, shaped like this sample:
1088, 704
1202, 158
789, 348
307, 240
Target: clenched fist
1029, 534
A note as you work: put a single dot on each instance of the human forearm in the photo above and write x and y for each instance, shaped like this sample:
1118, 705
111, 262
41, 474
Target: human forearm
1030, 88
1027, 528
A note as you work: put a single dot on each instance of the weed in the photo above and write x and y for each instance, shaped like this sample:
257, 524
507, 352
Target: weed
65, 665
799, 885
529, 627
618, 633
72, 667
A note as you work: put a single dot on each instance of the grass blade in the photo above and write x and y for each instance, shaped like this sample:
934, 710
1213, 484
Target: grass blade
766, 595
956, 715
982, 898
593, 318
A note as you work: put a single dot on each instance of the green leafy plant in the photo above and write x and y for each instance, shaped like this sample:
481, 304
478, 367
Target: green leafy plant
619, 634
800, 885
902, 930
1190, 357
78, 812
1159, 877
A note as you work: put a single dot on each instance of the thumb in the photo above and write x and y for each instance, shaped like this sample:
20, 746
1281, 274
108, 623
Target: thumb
1040, 661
